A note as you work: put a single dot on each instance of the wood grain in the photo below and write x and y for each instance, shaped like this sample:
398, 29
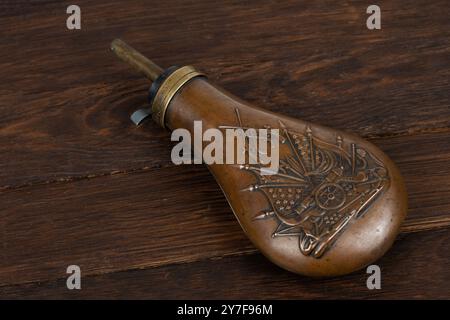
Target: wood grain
66, 99
169, 215
411, 270
79, 184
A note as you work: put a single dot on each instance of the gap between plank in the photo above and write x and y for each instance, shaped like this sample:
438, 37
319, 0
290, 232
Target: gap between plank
69, 179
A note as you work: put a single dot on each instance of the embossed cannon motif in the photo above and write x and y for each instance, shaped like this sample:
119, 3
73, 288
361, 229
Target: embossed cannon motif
319, 189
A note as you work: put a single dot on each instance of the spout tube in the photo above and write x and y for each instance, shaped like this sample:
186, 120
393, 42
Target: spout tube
136, 59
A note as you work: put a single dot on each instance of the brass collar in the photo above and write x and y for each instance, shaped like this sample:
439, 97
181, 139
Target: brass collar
168, 89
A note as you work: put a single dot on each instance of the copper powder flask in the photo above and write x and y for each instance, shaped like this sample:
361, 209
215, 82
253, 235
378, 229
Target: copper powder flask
337, 201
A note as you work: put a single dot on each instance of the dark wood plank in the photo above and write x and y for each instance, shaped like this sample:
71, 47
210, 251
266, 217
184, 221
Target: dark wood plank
170, 215
405, 273
66, 99
80, 185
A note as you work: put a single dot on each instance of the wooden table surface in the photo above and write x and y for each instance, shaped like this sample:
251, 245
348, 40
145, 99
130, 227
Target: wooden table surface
80, 184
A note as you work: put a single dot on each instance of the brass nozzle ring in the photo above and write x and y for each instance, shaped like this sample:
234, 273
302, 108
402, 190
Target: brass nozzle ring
168, 89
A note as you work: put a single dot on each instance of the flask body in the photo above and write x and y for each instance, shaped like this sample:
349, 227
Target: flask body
336, 203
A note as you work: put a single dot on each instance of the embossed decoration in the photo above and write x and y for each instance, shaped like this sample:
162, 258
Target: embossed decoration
319, 188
